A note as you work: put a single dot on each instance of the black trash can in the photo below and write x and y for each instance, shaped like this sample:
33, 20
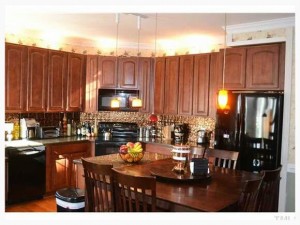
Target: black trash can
70, 200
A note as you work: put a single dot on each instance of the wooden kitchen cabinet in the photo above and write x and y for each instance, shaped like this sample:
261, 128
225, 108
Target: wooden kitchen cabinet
265, 67
75, 82
107, 66
127, 73
59, 164
57, 81
201, 85
159, 85
235, 68
171, 85
37, 79
91, 84
15, 78
117, 72
186, 76
254, 68
146, 84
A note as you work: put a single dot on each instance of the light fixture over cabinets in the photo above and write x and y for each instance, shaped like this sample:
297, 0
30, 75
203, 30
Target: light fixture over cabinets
137, 102
223, 93
115, 102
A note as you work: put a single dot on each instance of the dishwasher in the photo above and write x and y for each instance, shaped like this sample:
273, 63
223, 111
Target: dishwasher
26, 172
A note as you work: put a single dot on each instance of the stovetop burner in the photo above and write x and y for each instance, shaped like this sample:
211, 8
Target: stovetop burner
120, 132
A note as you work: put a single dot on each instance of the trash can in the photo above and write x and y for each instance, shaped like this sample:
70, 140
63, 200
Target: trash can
70, 200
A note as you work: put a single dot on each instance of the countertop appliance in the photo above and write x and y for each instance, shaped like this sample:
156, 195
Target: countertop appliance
252, 126
203, 136
121, 133
47, 132
124, 96
26, 175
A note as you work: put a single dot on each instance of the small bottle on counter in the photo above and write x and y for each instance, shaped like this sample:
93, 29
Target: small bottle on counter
78, 129
69, 128
16, 131
83, 129
65, 124
74, 128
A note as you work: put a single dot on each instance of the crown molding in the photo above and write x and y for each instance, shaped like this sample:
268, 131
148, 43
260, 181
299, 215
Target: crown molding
263, 25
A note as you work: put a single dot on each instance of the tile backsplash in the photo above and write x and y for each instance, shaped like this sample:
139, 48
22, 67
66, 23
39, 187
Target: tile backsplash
195, 122
142, 119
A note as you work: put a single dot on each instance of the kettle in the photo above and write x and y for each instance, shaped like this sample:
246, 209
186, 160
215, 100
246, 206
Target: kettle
107, 135
203, 136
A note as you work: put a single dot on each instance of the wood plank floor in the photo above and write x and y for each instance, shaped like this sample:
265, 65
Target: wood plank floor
47, 204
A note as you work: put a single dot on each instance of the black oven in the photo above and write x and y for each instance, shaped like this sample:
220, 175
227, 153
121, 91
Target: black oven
121, 133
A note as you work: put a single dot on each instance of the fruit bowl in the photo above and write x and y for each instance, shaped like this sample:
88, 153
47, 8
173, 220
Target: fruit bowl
131, 152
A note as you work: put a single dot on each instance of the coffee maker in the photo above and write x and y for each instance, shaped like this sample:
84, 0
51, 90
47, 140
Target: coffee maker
31, 125
181, 133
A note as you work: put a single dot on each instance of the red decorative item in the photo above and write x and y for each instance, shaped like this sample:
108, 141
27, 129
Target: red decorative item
153, 118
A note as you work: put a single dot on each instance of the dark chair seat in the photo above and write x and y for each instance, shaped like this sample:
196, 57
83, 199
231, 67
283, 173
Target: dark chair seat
269, 191
134, 193
249, 196
99, 187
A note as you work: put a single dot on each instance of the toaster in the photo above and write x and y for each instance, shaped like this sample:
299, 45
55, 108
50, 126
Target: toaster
47, 132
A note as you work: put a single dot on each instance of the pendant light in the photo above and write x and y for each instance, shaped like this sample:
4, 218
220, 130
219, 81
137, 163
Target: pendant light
115, 102
223, 94
137, 102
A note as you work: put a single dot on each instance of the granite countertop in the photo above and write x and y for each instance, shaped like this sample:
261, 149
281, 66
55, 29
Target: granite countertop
60, 140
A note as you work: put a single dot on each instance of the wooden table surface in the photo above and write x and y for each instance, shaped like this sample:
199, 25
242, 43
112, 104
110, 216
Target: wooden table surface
218, 193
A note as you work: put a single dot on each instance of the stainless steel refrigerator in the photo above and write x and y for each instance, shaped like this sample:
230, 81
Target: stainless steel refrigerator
252, 125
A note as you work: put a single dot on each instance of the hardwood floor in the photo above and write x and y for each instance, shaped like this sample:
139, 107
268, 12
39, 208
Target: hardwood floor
47, 204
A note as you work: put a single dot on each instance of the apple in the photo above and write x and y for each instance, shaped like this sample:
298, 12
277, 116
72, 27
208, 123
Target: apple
130, 145
123, 149
153, 118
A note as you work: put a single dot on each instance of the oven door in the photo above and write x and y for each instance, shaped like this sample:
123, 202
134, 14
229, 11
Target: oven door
106, 148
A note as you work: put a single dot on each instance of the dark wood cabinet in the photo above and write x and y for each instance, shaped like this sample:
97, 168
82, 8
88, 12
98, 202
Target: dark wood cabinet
15, 78
159, 85
186, 76
118, 72
235, 68
127, 73
201, 84
37, 79
146, 84
214, 74
254, 68
264, 67
57, 81
91, 84
171, 85
107, 66
75, 82
59, 164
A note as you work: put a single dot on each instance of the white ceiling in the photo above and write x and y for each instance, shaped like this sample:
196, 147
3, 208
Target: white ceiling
90, 27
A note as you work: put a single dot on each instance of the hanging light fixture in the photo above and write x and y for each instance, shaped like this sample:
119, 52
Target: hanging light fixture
115, 102
223, 94
137, 102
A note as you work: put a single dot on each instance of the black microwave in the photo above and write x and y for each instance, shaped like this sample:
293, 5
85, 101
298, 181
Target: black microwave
124, 96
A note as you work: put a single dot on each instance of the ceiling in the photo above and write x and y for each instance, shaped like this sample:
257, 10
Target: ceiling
89, 28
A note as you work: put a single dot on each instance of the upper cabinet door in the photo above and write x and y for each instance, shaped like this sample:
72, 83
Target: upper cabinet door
201, 84
186, 75
57, 81
91, 84
146, 84
75, 82
37, 79
15, 77
171, 85
235, 64
159, 85
107, 66
128, 77
263, 67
